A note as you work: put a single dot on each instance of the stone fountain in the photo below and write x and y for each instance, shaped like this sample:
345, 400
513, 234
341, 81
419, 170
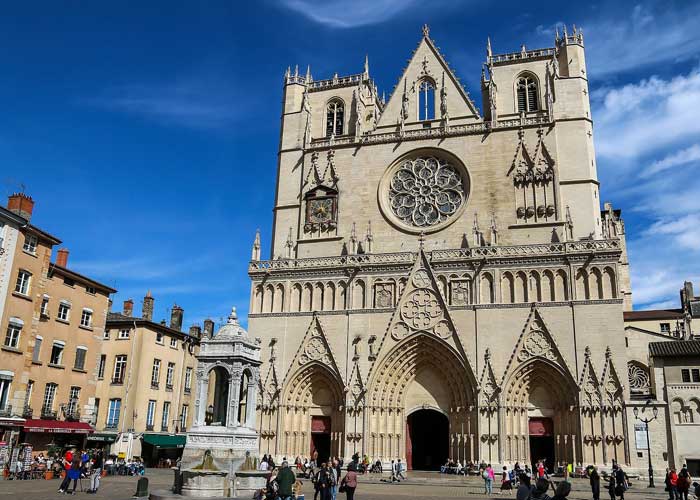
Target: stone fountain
218, 457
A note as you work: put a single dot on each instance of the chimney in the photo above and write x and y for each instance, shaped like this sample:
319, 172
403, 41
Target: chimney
128, 308
208, 328
62, 257
147, 309
21, 204
176, 317
195, 331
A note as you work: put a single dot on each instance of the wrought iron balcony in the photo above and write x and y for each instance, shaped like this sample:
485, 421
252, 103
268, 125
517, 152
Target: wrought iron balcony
149, 427
6, 411
27, 412
48, 412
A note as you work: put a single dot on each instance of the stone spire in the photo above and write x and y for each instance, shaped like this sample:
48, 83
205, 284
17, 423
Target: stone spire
489, 53
365, 74
353, 239
476, 233
256, 247
308, 78
369, 238
494, 230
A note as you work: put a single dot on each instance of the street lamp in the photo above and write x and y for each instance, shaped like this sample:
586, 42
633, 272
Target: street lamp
646, 421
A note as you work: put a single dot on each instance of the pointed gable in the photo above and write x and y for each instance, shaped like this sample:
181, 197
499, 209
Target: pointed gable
536, 342
356, 385
428, 63
612, 386
314, 348
488, 385
588, 382
421, 309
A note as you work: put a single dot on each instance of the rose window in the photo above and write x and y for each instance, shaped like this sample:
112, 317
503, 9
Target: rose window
426, 191
638, 377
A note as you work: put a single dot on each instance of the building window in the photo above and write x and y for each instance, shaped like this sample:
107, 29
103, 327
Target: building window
665, 327
166, 416
527, 94
183, 418
30, 243
426, 100
105, 335
36, 352
80, 355
335, 113
169, 376
14, 329
159, 338
63, 311
22, 285
101, 366
86, 318
173, 342
5, 383
73, 400
45, 306
115, 406
91, 290
188, 379
124, 334
96, 411
155, 373
57, 353
695, 374
119, 369
150, 414
685, 375
49, 398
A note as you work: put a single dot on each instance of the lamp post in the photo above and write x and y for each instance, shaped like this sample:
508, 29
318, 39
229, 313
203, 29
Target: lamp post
646, 421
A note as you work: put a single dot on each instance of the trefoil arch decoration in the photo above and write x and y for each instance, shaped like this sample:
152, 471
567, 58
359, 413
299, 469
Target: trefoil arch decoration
533, 181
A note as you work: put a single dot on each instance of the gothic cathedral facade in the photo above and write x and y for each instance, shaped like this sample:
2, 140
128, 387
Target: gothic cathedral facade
442, 280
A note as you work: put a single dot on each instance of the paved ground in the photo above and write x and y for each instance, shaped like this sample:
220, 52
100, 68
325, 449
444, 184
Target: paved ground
428, 486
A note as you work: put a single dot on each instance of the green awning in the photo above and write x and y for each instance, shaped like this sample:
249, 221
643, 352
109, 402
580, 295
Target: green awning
105, 438
165, 440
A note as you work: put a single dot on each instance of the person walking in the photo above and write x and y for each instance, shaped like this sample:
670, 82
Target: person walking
684, 481
285, 482
620, 481
506, 484
594, 479
349, 483
488, 476
96, 472
399, 470
74, 472
325, 481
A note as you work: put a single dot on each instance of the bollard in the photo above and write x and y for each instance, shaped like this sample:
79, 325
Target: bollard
141, 488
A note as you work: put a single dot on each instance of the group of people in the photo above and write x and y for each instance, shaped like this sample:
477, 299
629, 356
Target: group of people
79, 465
678, 484
327, 478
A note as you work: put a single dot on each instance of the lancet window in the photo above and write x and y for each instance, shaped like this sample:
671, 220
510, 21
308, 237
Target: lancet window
426, 100
335, 116
526, 87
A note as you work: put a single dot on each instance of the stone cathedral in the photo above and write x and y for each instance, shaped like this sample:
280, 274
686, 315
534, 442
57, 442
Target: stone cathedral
442, 280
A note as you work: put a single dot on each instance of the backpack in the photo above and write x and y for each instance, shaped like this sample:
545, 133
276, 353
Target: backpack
485, 474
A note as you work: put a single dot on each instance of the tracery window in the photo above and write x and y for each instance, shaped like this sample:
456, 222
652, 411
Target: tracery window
527, 93
638, 376
335, 115
426, 100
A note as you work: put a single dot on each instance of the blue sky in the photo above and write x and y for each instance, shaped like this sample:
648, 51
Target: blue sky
147, 132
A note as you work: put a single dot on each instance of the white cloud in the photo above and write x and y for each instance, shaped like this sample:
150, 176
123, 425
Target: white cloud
641, 118
196, 102
343, 14
648, 35
677, 159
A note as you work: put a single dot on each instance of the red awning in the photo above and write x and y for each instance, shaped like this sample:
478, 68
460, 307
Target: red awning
58, 426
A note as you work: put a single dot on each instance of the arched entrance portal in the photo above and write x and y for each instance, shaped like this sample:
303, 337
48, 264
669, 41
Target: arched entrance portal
419, 373
427, 439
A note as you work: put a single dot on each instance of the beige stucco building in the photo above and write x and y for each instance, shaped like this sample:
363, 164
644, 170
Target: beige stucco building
52, 327
443, 282
145, 379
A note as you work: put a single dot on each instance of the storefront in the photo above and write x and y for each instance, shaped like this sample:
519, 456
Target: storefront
47, 435
101, 440
156, 449
10, 428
